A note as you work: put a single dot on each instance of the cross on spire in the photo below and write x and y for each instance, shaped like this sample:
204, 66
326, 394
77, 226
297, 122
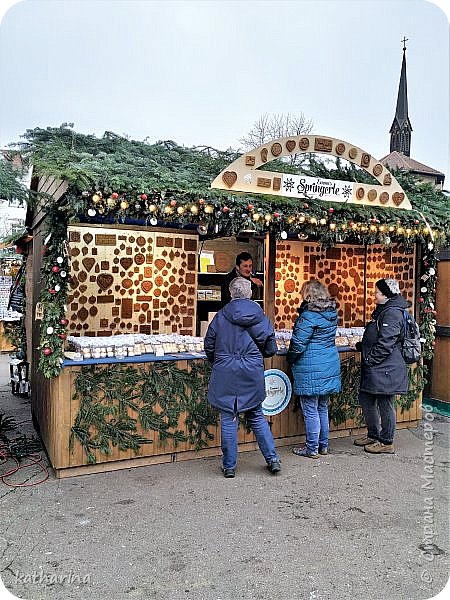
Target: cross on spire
404, 40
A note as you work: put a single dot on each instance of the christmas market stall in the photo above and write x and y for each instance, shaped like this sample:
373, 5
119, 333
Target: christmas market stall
129, 244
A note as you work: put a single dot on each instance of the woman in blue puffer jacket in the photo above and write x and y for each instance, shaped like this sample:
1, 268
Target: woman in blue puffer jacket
315, 364
237, 339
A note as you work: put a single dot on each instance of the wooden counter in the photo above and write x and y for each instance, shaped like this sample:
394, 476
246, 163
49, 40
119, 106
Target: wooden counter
55, 407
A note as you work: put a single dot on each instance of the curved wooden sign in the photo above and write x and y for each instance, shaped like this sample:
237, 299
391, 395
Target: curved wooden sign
243, 175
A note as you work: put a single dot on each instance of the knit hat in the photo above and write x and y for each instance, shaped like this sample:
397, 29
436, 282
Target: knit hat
384, 288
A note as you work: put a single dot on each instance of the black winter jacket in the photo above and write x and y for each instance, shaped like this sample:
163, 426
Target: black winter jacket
383, 370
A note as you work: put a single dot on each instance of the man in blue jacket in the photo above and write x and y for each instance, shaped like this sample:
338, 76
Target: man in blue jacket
236, 340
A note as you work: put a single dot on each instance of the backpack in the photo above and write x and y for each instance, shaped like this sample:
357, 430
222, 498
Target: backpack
411, 347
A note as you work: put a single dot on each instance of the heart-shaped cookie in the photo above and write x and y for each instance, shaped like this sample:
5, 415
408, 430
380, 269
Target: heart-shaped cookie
105, 281
126, 263
88, 263
160, 263
290, 145
398, 198
229, 178
87, 237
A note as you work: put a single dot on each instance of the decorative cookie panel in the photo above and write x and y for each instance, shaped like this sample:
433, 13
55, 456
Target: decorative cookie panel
390, 262
340, 268
127, 281
350, 272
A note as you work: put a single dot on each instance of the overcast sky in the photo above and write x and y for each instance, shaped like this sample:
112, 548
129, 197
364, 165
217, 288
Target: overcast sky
201, 72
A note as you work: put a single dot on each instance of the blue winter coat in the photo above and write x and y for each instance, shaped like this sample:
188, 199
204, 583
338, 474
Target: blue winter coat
232, 345
312, 353
383, 370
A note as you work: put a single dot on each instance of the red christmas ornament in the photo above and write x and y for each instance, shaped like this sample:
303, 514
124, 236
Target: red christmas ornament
416, 221
47, 351
225, 209
143, 196
51, 291
55, 269
306, 205
331, 210
114, 195
276, 215
201, 201
62, 336
421, 299
173, 203
64, 321
250, 206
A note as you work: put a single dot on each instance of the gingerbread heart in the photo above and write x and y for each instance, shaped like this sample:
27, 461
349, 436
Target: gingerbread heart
229, 178
160, 263
105, 281
398, 198
290, 145
126, 263
87, 237
88, 263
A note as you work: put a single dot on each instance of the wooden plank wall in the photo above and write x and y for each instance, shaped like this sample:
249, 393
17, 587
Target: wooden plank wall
55, 409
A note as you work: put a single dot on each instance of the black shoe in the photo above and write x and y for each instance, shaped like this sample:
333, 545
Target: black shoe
229, 473
274, 467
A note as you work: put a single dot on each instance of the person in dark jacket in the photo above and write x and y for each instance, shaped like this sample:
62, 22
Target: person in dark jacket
315, 364
383, 370
235, 342
243, 268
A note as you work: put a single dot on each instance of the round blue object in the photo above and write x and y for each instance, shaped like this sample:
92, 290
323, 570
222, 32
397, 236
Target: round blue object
278, 391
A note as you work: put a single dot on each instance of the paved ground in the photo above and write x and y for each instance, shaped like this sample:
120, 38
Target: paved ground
347, 526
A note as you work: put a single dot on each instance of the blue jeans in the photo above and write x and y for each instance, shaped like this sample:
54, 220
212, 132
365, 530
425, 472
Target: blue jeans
315, 415
379, 415
229, 424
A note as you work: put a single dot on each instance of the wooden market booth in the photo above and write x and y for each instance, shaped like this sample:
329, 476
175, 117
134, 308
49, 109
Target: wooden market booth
147, 279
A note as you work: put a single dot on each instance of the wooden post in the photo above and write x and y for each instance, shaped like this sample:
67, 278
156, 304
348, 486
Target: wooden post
269, 276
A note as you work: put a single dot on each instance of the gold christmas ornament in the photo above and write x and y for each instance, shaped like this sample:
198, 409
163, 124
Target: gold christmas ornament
152, 208
96, 198
209, 209
110, 202
194, 209
124, 205
168, 210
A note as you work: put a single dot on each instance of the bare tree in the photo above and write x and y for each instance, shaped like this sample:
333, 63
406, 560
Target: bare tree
277, 125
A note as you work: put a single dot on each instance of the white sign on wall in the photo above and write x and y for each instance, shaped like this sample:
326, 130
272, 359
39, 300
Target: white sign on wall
301, 186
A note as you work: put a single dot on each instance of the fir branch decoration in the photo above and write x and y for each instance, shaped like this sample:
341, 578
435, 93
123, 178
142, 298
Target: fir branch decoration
116, 180
116, 399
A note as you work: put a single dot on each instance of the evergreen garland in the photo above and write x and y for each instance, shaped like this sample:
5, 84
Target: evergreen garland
117, 180
114, 399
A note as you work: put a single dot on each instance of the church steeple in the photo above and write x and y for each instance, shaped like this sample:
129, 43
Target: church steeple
401, 127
